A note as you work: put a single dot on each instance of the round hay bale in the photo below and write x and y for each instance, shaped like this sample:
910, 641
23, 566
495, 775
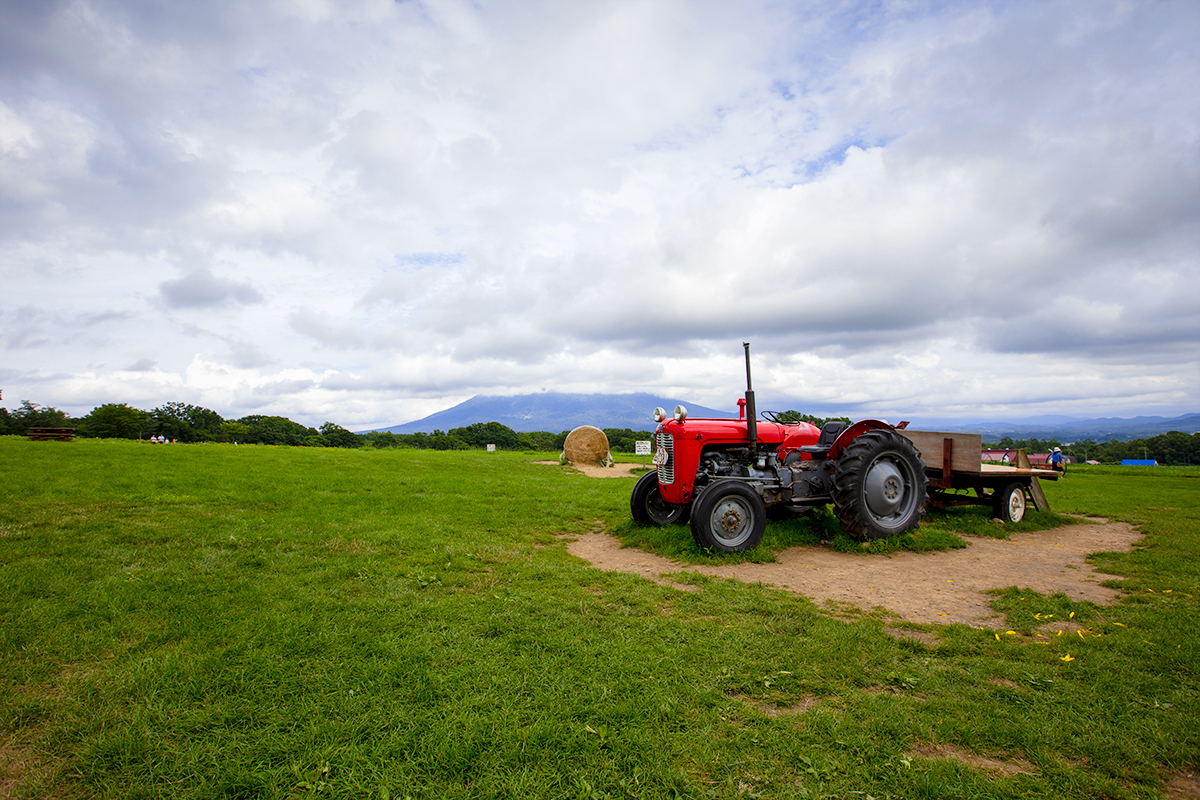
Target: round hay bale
586, 445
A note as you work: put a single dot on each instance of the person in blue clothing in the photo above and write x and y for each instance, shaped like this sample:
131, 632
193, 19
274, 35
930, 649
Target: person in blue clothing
1056, 461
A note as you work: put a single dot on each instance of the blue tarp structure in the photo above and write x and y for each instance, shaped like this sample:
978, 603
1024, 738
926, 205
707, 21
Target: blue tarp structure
1139, 462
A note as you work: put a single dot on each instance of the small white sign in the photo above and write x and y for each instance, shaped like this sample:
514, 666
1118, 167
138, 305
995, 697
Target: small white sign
491, 448
641, 448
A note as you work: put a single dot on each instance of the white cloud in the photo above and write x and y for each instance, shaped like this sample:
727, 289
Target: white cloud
327, 329
379, 209
202, 289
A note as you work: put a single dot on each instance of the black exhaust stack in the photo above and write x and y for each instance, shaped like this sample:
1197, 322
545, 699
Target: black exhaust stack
751, 411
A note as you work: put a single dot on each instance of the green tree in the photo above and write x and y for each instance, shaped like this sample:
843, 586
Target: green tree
115, 421
433, 441
622, 440
384, 439
796, 416
337, 436
235, 431
31, 415
185, 422
538, 440
275, 430
1083, 451
481, 434
205, 422
170, 420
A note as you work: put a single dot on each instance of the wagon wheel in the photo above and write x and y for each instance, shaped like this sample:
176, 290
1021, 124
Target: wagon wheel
1010, 503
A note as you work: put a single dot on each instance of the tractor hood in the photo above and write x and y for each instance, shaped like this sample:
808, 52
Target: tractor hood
733, 431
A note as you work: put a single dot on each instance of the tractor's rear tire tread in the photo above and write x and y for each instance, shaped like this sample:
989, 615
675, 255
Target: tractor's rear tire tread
849, 501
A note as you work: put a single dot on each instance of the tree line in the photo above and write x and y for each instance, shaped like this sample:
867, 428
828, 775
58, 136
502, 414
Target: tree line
481, 434
1170, 449
177, 422
183, 422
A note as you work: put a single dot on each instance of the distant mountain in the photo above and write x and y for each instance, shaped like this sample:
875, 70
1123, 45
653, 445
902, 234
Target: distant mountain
554, 412
1067, 429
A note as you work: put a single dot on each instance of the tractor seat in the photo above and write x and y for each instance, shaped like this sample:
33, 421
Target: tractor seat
829, 433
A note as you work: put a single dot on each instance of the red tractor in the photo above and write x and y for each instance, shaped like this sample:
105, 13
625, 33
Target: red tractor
726, 475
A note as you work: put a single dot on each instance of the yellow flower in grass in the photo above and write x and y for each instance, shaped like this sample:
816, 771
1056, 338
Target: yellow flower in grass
1067, 657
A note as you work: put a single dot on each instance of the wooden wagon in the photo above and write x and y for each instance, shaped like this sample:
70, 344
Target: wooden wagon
958, 477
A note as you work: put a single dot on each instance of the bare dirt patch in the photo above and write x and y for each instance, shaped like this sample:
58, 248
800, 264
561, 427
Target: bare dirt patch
941, 587
805, 704
596, 471
1016, 766
21, 765
1183, 785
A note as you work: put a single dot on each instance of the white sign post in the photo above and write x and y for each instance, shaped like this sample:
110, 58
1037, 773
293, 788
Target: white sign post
642, 449
491, 448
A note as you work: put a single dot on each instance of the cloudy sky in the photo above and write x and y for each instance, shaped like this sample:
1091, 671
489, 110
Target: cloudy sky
366, 211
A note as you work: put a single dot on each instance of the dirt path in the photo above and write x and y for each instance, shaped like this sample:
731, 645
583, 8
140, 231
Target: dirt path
938, 587
595, 471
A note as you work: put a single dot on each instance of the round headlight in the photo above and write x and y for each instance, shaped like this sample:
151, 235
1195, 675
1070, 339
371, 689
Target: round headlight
680, 413
660, 414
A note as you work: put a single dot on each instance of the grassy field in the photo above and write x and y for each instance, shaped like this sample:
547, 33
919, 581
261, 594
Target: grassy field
212, 621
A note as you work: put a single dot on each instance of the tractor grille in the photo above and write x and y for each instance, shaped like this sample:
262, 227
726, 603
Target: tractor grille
666, 472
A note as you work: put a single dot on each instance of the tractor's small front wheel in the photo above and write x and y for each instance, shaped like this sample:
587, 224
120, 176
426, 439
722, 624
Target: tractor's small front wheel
1010, 503
648, 507
729, 517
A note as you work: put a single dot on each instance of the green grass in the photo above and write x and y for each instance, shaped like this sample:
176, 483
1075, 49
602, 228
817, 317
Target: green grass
211, 621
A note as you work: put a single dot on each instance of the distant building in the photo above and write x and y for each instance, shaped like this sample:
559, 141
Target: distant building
1138, 462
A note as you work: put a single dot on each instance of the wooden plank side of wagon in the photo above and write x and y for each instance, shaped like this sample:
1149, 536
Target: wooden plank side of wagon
965, 450
953, 461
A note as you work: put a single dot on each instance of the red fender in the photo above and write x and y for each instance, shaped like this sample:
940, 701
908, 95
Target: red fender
850, 434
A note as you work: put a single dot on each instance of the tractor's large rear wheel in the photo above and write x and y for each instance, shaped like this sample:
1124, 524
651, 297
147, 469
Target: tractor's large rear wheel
728, 516
648, 507
879, 486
